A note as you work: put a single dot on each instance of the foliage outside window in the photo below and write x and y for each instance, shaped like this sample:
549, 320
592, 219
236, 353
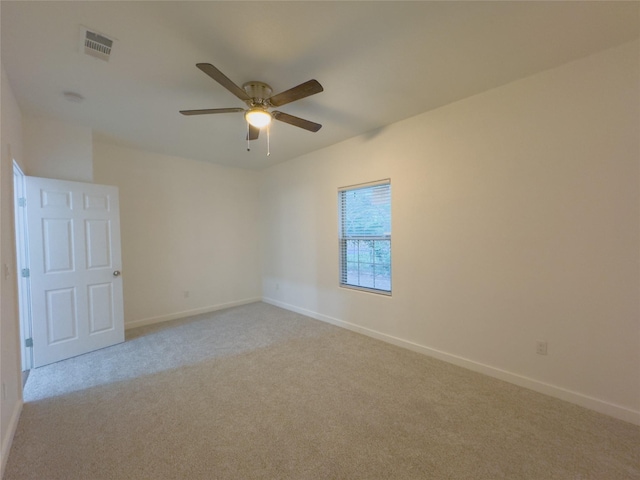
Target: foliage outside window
365, 236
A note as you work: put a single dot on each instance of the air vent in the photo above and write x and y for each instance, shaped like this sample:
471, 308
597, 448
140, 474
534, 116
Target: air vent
96, 44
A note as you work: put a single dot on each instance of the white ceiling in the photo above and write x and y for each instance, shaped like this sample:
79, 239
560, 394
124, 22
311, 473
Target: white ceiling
379, 62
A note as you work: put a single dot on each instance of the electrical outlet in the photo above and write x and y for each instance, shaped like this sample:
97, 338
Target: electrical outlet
277, 286
186, 293
541, 348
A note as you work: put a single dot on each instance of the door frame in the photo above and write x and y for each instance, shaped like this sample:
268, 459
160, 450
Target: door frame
22, 265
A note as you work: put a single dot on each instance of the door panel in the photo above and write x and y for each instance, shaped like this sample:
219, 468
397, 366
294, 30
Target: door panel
100, 298
74, 243
62, 324
57, 245
98, 237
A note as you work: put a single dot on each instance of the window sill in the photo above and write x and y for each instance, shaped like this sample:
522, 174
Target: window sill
384, 293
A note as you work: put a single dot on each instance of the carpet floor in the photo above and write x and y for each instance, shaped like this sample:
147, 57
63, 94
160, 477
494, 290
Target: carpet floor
257, 392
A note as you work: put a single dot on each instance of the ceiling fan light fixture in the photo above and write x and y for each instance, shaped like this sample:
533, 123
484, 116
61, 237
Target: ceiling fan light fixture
258, 117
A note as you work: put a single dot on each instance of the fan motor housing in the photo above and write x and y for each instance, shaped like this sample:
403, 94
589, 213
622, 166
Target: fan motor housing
258, 91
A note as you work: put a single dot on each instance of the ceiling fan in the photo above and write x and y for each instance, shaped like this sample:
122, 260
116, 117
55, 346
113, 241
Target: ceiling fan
257, 96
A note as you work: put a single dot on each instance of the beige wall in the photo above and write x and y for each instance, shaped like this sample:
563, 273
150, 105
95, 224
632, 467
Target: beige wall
515, 219
10, 378
187, 226
57, 149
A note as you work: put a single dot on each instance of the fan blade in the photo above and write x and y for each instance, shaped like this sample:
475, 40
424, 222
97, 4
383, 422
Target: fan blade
208, 111
296, 121
253, 133
222, 79
296, 93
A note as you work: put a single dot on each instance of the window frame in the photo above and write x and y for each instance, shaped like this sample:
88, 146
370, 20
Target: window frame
343, 239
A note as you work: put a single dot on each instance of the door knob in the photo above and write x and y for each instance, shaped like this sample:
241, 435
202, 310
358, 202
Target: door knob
116, 273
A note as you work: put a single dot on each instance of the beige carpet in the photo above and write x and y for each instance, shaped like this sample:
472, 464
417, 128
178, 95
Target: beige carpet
257, 392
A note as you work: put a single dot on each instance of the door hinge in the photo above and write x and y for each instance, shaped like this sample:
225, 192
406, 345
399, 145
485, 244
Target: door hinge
28, 342
22, 202
26, 273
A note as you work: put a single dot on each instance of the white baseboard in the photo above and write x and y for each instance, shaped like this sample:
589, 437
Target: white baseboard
8, 438
601, 406
187, 313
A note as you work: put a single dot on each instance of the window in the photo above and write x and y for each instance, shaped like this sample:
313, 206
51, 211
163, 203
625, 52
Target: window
365, 236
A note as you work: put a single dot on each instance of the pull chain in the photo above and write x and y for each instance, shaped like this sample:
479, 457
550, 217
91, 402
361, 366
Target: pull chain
268, 140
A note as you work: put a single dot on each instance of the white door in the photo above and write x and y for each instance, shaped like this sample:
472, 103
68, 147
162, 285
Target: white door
74, 268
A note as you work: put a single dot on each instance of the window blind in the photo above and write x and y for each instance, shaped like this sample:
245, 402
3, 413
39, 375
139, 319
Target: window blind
365, 236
